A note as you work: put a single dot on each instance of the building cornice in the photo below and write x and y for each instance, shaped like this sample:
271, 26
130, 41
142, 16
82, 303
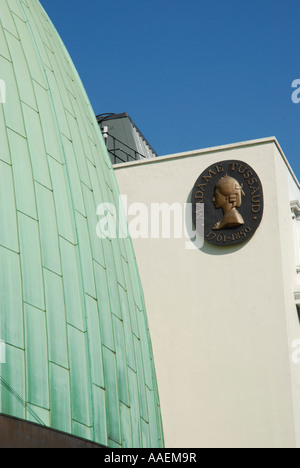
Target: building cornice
215, 149
295, 207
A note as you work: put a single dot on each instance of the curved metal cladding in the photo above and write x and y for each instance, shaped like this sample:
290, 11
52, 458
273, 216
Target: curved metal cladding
78, 356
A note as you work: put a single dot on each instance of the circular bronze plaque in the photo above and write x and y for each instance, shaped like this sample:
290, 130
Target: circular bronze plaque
228, 203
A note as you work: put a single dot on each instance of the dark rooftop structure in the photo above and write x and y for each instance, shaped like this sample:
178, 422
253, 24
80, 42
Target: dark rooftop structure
124, 141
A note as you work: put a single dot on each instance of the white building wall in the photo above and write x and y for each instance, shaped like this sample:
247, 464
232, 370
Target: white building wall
223, 321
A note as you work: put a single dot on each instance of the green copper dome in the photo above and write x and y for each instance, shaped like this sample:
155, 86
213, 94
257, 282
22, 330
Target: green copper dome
78, 356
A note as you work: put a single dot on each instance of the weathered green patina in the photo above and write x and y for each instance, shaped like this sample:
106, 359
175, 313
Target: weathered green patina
78, 352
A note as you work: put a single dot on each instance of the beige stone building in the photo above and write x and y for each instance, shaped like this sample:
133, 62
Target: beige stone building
223, 320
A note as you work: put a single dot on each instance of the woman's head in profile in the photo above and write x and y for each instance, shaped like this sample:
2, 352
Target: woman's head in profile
228, 196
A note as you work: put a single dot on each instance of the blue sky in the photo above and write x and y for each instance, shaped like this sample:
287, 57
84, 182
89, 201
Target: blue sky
191, 74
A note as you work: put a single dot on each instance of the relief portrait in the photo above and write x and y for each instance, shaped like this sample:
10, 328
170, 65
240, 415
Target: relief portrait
228, 196
227, 203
